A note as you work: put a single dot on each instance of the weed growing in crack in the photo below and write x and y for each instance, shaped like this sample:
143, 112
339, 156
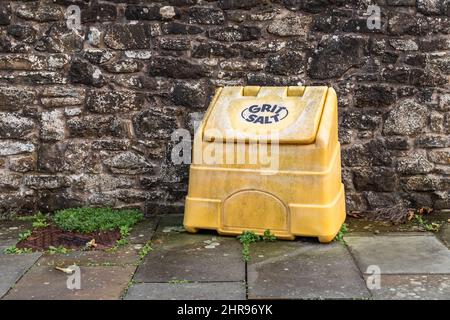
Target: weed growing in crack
129, 284
432, 227
248, 237
341, 234
145, 250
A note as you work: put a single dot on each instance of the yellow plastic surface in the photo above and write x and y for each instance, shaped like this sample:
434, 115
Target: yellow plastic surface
303, 196
293, 114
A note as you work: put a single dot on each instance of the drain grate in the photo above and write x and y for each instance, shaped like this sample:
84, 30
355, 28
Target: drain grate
43, 238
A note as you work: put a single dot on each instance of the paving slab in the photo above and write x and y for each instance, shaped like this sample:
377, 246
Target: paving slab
10, 229
143, 231
193, 258
400, 254
12, 267
413, 287
126, 255
303, 270
47, 283
178, 255
187, 291
6, 243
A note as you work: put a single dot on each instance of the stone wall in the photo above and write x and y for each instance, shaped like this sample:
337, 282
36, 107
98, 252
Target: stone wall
86, 115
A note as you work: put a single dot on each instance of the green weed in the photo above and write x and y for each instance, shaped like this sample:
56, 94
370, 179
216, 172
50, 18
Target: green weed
24, 235
96, 219
432, 227
124, 233
145, 250
341, 234
57, 250
15, 250
247, 237
40, 221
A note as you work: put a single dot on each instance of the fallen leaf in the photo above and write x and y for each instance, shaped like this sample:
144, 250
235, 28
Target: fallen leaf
65, 270
91, 244
355, 215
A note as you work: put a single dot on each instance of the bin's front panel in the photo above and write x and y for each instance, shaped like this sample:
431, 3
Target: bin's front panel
288, 114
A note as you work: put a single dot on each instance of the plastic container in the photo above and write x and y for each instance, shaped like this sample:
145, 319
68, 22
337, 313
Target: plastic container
268, 158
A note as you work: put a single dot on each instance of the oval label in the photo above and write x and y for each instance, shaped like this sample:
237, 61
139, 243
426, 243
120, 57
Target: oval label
264, 113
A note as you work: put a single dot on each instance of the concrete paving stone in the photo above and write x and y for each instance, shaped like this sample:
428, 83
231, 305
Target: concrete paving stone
303, 270
170, 220
400, 254
178, 255
143, 231
12, 267
413, 287
170, 233
126, 255
187, 291
182, 256
47, 283
6, 243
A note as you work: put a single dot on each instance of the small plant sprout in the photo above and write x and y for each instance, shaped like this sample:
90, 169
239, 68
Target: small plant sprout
267, 236
40, 222
432, 227
248, 237
145, 250
124, 233
417, 216
15, 250
57, 250
24, 235
341, 234
129, 284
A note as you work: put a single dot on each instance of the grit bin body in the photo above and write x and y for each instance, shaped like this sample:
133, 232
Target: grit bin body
294, 190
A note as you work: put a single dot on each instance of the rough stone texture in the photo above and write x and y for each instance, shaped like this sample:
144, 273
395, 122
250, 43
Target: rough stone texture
406, 119
103, 100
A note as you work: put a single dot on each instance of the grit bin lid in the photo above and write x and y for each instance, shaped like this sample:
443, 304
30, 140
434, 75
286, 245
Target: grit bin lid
255, 113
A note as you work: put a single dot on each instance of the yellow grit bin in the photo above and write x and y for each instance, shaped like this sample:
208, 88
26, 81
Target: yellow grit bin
268, 158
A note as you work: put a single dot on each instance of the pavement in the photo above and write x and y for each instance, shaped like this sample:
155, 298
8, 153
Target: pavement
372, 263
